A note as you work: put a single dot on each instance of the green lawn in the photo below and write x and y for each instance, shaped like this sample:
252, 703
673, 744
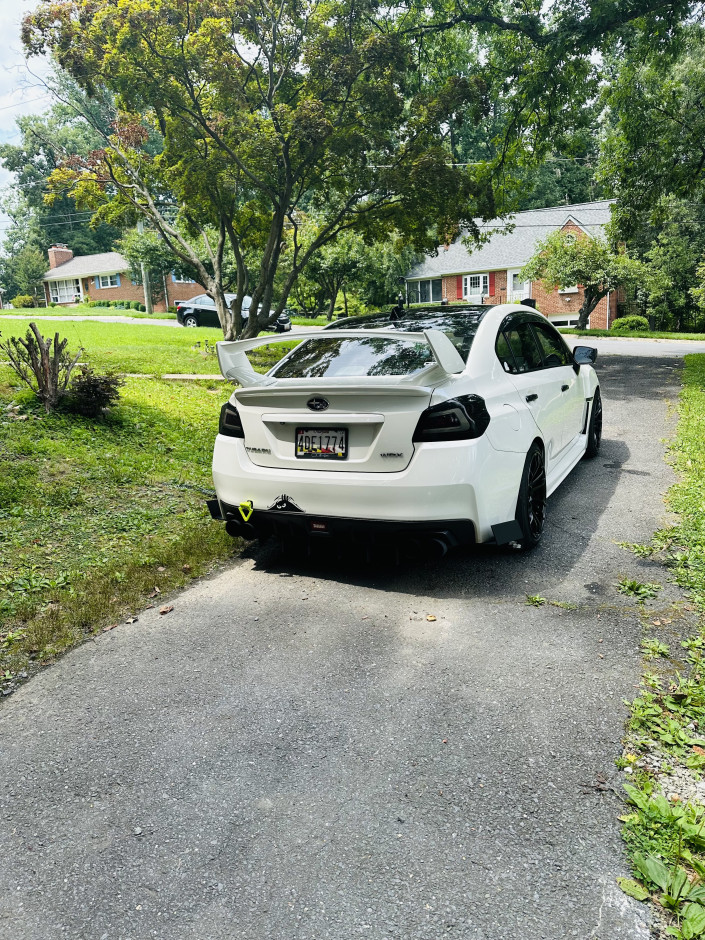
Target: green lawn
630, 334
687, 497
135, 348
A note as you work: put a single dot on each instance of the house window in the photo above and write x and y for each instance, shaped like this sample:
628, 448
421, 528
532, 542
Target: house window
476, 285
425, 292
65, 291
108, 280
180, 279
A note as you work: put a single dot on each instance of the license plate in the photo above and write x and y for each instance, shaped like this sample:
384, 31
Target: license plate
322, 443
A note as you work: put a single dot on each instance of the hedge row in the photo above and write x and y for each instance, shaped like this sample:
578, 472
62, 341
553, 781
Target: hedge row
118, 304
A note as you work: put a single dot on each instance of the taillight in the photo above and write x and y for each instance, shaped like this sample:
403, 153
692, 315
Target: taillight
458, 419
230, 423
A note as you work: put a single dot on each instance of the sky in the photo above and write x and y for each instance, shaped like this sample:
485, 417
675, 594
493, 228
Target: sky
21, 92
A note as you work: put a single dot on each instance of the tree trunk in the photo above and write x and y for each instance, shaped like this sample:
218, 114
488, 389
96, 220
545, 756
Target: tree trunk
590, 300
225, 314
331, 305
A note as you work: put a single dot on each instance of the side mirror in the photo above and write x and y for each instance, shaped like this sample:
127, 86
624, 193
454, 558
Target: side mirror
585, 354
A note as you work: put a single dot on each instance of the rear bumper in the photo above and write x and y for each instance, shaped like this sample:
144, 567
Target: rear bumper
464, 485
262, 523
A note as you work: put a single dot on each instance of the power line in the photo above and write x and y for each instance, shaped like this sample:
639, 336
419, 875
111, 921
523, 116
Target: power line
18, 104
73, 221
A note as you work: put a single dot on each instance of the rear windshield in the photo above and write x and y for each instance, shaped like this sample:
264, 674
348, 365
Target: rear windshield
373, 355
378, 355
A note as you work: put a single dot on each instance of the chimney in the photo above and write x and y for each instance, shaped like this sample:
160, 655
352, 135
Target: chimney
59, 254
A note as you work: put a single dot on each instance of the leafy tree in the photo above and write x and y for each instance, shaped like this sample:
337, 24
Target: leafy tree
672, 259
267, 113
698, 293
337, 265
30, 265
563, 260
654, 146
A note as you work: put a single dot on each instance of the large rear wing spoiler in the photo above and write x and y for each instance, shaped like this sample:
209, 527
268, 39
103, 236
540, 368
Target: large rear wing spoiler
234, 364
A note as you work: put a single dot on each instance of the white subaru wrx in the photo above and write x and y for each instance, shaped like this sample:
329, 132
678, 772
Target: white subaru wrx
453, 423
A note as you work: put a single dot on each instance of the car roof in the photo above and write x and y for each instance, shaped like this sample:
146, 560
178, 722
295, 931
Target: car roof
416, 318
205, 299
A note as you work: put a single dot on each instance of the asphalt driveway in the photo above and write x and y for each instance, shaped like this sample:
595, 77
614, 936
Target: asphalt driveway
297, 751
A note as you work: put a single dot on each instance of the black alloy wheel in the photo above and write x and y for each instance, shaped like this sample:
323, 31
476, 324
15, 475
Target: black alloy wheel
531, 505
594, 434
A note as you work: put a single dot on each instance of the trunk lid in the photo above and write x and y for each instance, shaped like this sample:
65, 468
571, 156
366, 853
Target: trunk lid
378, 421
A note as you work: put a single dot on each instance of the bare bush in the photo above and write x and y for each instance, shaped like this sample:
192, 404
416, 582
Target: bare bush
46, 371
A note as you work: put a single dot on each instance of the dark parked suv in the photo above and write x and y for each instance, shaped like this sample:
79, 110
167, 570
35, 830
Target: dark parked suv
200, 311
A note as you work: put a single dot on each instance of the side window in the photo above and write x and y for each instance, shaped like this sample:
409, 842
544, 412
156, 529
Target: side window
555, 352
527, 355
504, 354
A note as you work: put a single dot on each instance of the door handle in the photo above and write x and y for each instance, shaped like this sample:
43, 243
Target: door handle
564, 388
532, 397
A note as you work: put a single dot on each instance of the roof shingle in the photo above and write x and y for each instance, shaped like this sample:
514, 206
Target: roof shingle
108, 262
512, 249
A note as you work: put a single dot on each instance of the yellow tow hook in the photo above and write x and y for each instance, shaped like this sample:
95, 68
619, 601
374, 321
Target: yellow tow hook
246, 510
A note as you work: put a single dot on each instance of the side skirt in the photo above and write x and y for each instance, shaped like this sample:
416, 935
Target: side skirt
572, 456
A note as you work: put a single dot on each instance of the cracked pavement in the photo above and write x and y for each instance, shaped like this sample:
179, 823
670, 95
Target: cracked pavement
297, 752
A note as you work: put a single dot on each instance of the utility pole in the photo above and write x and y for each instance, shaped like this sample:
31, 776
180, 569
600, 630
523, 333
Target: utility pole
145, 276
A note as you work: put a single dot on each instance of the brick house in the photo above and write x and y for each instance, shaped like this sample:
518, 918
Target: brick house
104, 276
489, 274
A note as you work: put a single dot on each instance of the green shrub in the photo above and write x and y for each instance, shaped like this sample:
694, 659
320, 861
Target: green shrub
92, 392
22, 301
142, 308
53, 303
632, 324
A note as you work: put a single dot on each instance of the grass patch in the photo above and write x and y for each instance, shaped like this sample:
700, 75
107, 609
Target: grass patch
152, 350
96, 515
665, 746
687, 497
630, 334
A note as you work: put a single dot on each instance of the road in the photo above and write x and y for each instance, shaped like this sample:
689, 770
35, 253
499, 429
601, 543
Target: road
297, 751
152, 321
635, 346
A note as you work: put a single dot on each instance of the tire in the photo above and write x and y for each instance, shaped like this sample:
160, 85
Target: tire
594, 433
190, 320
531, 504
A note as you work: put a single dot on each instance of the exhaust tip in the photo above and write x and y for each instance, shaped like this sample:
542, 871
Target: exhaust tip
438, 548
243, 530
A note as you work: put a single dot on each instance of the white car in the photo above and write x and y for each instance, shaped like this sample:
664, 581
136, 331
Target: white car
455, 423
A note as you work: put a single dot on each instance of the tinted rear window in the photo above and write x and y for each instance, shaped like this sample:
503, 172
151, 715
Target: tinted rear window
460, 326
373, 355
